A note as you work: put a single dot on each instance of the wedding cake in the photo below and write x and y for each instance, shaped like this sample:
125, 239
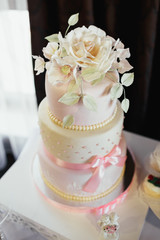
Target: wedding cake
82, 153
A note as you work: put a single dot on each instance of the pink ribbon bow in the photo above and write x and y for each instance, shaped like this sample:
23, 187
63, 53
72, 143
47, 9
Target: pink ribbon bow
98, 164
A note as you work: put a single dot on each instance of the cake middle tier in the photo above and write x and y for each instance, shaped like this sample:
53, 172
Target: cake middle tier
78, 146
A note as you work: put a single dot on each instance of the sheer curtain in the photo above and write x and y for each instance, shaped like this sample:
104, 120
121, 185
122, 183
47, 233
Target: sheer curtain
18, 108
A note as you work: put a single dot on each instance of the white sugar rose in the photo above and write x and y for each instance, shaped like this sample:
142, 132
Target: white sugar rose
90, 47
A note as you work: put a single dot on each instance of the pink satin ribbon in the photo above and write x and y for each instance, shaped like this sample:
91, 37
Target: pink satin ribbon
96, 163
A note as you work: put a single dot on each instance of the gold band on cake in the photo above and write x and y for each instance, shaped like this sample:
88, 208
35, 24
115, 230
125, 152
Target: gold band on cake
82, 198
83, 127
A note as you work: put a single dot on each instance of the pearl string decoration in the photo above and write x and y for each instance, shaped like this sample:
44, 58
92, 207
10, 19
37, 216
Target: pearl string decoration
84, 127
82, 198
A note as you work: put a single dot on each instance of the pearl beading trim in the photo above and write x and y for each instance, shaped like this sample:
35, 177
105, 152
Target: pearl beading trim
82, 128
82, 198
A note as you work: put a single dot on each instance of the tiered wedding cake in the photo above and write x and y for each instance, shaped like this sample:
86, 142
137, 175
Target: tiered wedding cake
83, 151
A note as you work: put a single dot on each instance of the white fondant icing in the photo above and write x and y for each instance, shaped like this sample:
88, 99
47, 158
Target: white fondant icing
79, 146
72, 181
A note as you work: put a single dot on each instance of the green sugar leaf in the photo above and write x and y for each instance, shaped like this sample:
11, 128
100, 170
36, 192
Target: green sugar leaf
89, 102
72, 86
69, 98
52, 38
116, 91
73, 19
68, 120
127, 79
125, 105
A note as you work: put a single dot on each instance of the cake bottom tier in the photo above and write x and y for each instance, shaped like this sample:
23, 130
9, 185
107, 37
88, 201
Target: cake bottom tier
83, 182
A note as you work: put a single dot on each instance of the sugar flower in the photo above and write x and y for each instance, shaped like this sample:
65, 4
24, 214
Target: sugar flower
60, 70
89, 47
39, 64
50, 49
85, 54
120, 63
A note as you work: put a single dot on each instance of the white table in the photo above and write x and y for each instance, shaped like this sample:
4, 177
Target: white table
30, 210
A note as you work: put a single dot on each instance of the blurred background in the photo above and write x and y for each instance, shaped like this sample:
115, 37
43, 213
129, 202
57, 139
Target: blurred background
23, 26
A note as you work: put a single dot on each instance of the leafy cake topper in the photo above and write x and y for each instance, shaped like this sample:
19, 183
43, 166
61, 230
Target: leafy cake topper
85, 54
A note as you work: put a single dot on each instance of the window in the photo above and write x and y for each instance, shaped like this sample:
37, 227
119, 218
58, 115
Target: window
18, 108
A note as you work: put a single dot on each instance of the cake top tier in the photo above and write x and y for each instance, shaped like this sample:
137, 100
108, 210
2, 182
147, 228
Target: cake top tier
82, 72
